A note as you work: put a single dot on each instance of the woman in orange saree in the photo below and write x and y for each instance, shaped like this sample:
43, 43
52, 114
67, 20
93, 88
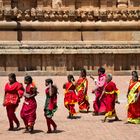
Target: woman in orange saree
81, 88
70, 98
133, 97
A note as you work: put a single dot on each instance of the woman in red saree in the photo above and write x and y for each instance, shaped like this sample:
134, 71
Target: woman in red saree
70, 98
111, 94
99, 106
13, 92
81, 88
134, 99
28, 111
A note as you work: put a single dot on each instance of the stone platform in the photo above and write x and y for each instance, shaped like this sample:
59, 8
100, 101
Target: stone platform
86, 127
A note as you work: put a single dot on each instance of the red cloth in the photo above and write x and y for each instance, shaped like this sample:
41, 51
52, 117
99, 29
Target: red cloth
11, 115
49, 123
12, 93
28, 111
70, 97
82, 87
110, 98
134, 109
99, 106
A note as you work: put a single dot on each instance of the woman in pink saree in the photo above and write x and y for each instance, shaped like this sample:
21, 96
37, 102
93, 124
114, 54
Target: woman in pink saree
99, 106
28, 111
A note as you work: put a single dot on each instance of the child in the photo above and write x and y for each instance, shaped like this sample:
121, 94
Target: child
70, 98
50, 104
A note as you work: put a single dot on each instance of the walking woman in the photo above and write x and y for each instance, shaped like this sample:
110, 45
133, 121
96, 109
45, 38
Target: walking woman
13, 92
99, 106
50, 105
28, 111
70, 98
111, 94
134, 100
82, 88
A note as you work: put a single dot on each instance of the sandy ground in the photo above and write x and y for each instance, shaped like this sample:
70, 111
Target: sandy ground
87, 127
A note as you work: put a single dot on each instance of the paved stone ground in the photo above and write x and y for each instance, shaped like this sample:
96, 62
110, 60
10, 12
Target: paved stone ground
87, 127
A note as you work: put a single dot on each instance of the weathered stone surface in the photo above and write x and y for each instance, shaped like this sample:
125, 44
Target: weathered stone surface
66, 35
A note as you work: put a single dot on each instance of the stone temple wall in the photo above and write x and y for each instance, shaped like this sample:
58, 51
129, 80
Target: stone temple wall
58, 36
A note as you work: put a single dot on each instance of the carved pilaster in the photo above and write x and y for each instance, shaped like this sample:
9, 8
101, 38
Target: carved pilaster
7, 3
57, 4
1, 4
39, 3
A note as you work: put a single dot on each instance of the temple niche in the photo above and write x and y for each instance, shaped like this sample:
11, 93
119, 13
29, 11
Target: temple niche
134, 3
23, 4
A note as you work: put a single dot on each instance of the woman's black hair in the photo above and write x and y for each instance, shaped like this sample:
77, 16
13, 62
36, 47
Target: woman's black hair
102, 70
28, 79
84, 71
49, 81
135, 74
70, 77
13, 76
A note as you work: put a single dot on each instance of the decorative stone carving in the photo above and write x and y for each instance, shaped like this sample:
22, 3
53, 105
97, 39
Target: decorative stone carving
122, 3
44, 14
27, 15
39, 14
17, 13
56, 4
8, 13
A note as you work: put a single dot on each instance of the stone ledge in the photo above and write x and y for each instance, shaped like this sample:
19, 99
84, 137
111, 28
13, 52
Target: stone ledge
69, 48
64, 73
70, 26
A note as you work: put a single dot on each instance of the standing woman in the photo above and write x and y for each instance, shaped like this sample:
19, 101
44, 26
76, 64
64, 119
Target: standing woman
81, 88
134, 99
50, 104
13, 92
111, 93
28, 111
70, 97
99, 106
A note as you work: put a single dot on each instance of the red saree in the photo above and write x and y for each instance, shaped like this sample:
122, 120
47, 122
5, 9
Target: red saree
28, 111
110, 93
133, 104
81, 88
70, 98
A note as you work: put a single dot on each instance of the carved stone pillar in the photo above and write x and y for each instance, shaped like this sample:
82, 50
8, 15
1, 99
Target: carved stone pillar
1, 3
122, 3
95, 3
39, 3
70, 4
134, 3
7, 3
46, 3
57, 4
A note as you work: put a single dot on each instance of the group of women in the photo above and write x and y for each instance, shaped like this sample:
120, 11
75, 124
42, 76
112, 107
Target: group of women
106, 95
